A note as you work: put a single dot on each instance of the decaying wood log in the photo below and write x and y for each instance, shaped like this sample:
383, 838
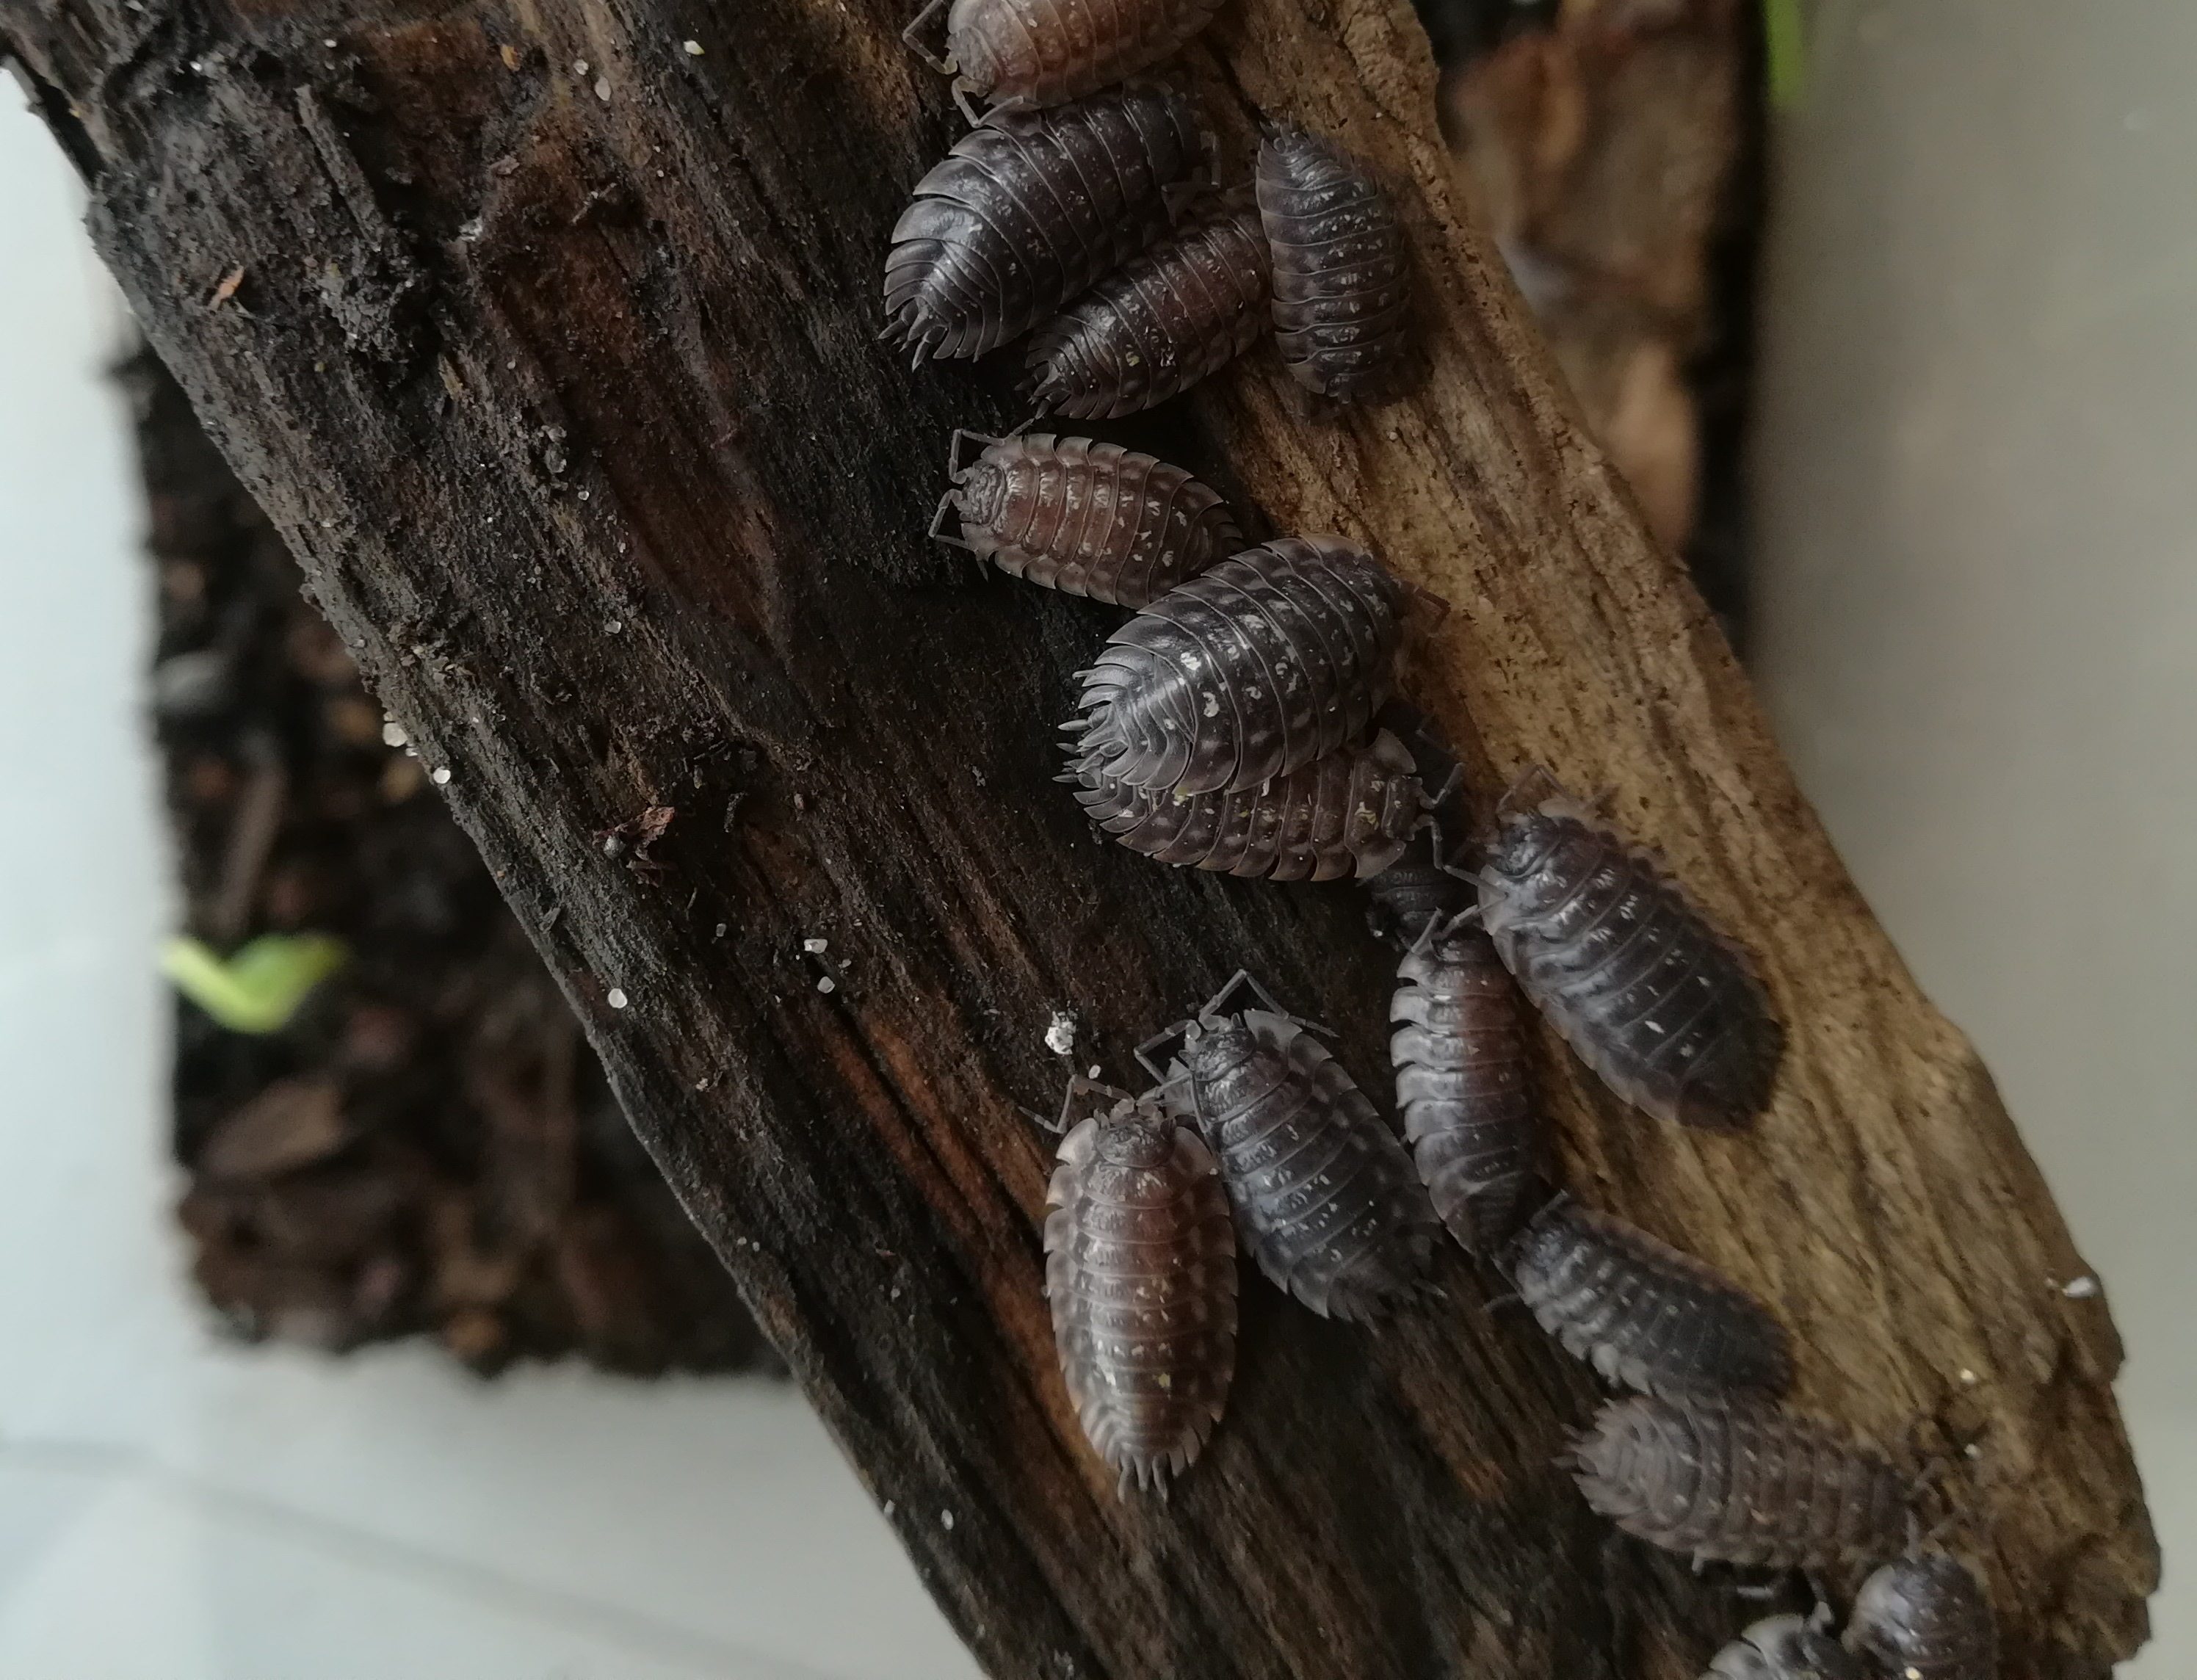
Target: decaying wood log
552, 356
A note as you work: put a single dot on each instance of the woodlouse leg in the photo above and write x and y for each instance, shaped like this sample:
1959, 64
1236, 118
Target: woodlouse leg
1537, 780
944, 67
963, 88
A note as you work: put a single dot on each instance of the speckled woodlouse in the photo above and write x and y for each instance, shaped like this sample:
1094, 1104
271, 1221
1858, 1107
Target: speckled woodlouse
1085, 518
1024, 53
1785, 1648
1265, 661
1341, 282
1666, 1009
1740, 1482
1350, 812
1183, 309
1029, 209
1644, 1314
1323, 1192
1459, 1050
1141, 1274
1926, 1617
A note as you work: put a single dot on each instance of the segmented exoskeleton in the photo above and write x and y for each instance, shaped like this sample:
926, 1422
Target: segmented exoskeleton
1785, 1648
1324, 1194
1023, 54
1461, 1083
1740, 1482
1084, 518
1342, 290
1141, 1271
1666, 1009
1265, 663
1926, 1617
1350, 813
1029, 209
1154, 328
1643, 1313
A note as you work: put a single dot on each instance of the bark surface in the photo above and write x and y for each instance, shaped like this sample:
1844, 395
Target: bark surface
546, 339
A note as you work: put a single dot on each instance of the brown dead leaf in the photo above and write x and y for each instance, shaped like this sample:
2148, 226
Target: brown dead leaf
291, 1124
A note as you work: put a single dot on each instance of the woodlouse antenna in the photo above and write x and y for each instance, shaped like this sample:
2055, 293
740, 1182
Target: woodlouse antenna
938, 530
1536, 780
963, 91
1437, 607
944, 67
955, 469
1079, 1086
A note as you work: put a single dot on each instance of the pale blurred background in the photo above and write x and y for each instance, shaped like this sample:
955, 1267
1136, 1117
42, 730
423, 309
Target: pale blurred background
1974, 593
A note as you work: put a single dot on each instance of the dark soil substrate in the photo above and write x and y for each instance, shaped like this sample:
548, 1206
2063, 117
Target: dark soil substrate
428, 1147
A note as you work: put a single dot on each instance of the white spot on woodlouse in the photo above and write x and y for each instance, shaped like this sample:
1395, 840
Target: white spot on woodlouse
826, 983
613, 627
617, 999
1968, 1378
603, 93
579, 66
440, 775
1060, 1034
815, 947
393, 735
2080, 1289
1093, 1073
946, 1520
693, 49
890, 1506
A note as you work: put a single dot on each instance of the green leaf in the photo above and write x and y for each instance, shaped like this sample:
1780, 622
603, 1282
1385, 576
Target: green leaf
259, 988
1784, 35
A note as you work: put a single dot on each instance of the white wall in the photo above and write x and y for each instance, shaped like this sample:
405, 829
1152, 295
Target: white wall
1977, 623
171, 1509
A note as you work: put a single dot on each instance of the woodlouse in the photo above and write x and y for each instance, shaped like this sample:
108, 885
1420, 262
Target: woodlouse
1459, 1050
1340, 279
1029, 209
1141, 1274
1085, 518
1025, 53
1643, 1313
1926, 1617
1351, 812
1784, 1648
1181, 310
1740, 1482
1265, 663
1324, 1194
1663, 1007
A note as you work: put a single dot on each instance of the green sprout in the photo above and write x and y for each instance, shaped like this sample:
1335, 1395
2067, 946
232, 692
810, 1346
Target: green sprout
1784, 45
259, 988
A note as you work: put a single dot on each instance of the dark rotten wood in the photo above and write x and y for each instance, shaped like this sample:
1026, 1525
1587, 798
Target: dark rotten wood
561, 380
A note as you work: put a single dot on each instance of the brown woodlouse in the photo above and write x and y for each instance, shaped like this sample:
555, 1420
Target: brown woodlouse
1643, 1313
1324, 1194
1141, 1274
1085, 518
1459, 1050
1183, 309
1265, 663
1785, 1648
1663, 1007
1351, 812
1926, 1619
1341, 291
1025, 53
1740, 1482
1029, 209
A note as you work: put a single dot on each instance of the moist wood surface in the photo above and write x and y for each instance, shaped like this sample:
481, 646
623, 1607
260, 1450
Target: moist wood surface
561, 383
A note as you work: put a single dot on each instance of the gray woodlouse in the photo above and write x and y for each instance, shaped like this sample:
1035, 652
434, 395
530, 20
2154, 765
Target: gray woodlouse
1459, 1050
1341, 291
1324, 1194
1351, 812
1784, 1648
1663, 1007
1740, 1482
1183, 309
1024, 53
1264, 662
1644, 1314
1141, 1274
1029, 209
1084, 518
1926, 1617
